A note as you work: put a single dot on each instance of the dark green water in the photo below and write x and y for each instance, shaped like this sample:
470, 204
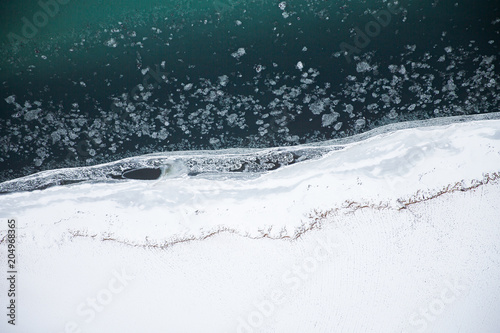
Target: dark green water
84, 82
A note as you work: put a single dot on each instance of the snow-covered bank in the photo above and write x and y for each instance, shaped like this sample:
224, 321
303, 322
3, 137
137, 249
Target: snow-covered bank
386, 170
396, 233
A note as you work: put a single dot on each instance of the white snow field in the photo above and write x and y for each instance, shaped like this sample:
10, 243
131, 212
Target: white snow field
396, 233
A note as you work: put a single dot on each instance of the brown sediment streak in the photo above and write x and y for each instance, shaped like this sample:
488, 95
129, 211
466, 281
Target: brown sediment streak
487, 178
318, 217
315, 219
419, 197
167, 244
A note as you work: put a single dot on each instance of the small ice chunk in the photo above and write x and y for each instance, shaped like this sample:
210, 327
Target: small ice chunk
223, 80
328, 119
240, 52
317, 107
360, 123
299, 65
111, 43
11, 99
362, 67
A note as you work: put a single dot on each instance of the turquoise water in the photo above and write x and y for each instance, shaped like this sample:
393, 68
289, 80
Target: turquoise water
97, 81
